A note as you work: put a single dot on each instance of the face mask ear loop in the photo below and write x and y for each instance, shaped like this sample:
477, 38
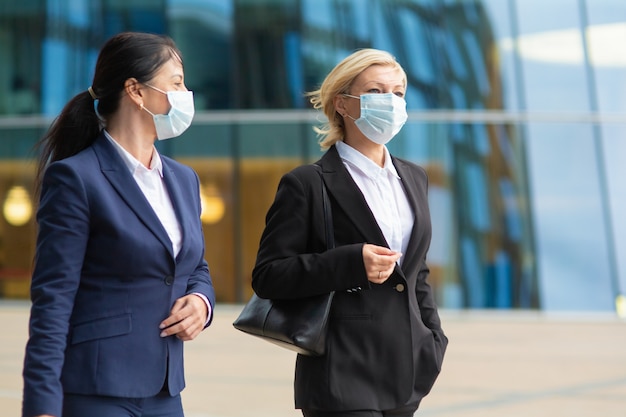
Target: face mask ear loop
351, 96
157, 89
146, 109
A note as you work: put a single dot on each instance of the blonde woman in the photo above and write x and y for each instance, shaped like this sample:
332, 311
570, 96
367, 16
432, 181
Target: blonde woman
386, 344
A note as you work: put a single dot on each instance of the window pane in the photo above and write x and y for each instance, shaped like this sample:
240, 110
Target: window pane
567, 210
551, 52
607, 50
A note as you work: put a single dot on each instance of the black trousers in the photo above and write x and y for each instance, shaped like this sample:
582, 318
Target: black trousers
405, 411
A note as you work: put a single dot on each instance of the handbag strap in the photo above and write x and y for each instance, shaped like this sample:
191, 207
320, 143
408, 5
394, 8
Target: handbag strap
328, 214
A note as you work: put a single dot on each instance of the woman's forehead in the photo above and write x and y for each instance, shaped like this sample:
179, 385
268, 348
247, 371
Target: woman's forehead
381, 74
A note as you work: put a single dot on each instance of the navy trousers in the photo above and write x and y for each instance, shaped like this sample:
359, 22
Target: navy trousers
161, 405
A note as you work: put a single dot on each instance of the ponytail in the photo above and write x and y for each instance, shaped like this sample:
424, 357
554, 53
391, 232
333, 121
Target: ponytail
75, 129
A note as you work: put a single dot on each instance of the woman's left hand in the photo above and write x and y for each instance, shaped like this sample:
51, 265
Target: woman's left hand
187, 318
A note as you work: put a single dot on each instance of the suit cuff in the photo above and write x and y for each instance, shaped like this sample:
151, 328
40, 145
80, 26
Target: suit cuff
208, 306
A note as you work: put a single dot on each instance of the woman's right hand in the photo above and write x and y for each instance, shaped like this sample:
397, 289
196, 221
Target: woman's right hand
379, 262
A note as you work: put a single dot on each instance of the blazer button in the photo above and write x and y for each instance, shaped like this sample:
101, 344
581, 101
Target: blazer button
169, 280
399, 287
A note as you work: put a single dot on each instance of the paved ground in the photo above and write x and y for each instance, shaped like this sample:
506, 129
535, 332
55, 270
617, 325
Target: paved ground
499, 364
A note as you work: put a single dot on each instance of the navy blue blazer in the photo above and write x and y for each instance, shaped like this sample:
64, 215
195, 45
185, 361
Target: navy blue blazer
105, 276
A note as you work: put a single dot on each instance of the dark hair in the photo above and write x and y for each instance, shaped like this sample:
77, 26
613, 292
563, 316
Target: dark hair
125, 55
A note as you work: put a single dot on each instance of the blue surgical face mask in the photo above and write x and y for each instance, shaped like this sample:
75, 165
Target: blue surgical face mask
382, 116
178, 119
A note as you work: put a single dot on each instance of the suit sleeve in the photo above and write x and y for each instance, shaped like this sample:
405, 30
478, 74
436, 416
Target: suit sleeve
63, 220
292, 260
200, 279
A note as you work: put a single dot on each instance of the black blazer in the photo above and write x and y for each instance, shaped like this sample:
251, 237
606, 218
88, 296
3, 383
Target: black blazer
386, 345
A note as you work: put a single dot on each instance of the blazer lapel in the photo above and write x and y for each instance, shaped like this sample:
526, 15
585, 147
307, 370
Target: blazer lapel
346, 193
174, 192
116, 172
410, 186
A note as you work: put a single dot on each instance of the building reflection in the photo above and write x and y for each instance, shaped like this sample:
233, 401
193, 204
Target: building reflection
474, 78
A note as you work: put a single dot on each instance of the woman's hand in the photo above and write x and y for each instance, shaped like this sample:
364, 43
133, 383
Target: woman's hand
187, 318
379, 262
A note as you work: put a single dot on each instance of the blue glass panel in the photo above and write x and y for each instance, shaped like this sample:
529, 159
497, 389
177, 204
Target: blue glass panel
607, 50
419, 62
455, 57
457, 96
481, 139
476, 58
512, 214
498, 288
571, 241
203, 31
473, 273
477, 196
381, 32
78, 12
499, 16
551, 51
318, 13
54, 80
293, 68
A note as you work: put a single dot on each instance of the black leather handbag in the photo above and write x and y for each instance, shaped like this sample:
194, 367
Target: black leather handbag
300, 324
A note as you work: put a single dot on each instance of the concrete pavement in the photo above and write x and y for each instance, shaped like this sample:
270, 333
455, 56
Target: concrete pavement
499, 364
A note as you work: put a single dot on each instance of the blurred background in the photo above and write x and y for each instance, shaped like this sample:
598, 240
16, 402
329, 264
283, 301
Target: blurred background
516, 110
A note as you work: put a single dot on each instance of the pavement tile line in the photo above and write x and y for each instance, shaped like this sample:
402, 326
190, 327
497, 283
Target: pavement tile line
513, 398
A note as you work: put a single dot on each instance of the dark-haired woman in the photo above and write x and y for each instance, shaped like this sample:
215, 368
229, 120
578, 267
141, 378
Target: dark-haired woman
120, 280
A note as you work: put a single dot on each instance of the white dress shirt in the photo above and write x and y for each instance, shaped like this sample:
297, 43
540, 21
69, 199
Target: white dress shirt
150, 181
384, 194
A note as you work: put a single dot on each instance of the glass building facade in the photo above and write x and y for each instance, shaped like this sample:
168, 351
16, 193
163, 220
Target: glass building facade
517, 110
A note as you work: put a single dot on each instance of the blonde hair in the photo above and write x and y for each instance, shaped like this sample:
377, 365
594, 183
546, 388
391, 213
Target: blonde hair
339, 81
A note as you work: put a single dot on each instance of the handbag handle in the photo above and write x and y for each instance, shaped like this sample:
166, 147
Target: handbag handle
328, 214
328, 218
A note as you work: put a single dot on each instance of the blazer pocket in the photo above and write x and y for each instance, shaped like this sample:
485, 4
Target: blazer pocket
102, 328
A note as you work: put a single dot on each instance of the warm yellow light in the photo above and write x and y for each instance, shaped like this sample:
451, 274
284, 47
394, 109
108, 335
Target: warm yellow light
620, 306
213, 206
17, 208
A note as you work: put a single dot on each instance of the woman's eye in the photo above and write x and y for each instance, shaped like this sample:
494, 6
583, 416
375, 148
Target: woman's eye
373, 91
399, 94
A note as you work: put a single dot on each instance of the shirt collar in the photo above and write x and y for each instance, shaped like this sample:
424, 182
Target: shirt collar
131, 162
359, 161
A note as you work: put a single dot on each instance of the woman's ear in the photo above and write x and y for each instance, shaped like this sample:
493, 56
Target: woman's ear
132, 87
340, 105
